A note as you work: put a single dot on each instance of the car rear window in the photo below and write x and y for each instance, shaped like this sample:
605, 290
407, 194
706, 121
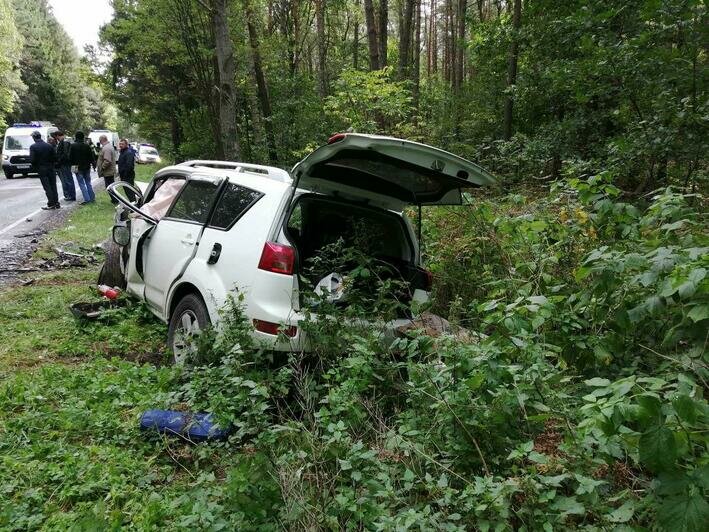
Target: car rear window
235, 201
195, 202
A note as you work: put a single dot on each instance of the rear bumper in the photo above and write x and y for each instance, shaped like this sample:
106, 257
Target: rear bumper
386, 333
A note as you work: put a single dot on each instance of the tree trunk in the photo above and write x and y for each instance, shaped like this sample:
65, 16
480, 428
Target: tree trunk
227, 76
261, 86
383, 32
417, 55
460, 60
512, 67
407, 20
322, 47
434, 37
355, 46
371, 35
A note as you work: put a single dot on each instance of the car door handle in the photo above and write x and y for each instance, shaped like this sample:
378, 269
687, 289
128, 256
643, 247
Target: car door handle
188, 241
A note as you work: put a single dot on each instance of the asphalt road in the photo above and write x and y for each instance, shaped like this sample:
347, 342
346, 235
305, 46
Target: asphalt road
22, 220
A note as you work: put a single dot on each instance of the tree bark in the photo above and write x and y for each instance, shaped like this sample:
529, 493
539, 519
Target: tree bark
355, 46
383, 32
407, 21
322, 48
371, 35
512, 68
460, 51
261, 86
417, 55
227, 77
434, 37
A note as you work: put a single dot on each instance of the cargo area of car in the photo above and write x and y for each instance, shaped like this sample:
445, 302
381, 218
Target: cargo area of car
321, 227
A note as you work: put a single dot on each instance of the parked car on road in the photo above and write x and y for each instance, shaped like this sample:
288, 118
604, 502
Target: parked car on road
204, 228
147, 154
16, 147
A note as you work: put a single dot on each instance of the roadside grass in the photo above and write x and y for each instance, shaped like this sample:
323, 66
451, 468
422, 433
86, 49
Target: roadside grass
71, 394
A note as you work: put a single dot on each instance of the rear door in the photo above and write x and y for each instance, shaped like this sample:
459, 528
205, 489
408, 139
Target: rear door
230, 247
388, 172
173, 242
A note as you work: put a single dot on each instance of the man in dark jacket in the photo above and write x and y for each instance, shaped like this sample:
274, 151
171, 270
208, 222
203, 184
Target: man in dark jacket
126, 167
64, 167
43, 158
81, 157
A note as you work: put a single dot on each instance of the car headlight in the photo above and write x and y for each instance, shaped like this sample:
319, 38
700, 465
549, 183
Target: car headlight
5, 157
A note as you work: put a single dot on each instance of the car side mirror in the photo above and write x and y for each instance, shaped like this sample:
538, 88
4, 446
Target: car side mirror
121, 235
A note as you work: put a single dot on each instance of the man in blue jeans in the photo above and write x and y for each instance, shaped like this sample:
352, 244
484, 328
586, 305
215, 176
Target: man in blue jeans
82, 158
64, 167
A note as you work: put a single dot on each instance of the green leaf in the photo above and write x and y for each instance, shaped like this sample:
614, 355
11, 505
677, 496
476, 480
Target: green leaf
597, 381
658, 449
622, 514
568, 505
684, 513
698, 313
685, 408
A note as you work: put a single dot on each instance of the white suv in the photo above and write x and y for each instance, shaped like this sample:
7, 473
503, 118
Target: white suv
205, 228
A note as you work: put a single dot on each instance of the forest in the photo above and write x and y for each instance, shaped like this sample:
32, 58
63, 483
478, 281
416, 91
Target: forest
572, 395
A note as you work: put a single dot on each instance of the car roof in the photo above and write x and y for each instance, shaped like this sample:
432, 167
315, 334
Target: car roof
266, 179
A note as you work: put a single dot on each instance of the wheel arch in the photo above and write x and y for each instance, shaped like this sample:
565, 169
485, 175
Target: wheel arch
181, 291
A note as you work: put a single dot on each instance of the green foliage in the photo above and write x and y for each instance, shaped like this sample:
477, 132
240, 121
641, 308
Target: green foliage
57, 86
369, 102
10, 46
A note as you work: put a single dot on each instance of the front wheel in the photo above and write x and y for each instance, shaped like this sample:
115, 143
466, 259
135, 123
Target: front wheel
188, 320
9, 174
111, 273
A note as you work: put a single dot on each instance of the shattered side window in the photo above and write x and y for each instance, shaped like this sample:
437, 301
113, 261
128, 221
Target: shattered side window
235, 201
194, 202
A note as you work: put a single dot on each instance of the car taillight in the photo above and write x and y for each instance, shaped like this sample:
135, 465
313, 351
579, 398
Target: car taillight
274, 328
336, 138
277, 258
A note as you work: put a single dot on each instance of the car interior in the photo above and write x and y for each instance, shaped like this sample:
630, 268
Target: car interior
317, 224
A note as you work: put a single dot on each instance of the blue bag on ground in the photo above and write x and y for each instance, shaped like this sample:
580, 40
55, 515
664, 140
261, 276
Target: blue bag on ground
195, 427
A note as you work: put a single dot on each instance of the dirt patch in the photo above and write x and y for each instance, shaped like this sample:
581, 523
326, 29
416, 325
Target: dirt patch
548, 442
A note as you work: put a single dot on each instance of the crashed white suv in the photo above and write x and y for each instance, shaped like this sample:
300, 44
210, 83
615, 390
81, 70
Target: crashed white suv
205, 228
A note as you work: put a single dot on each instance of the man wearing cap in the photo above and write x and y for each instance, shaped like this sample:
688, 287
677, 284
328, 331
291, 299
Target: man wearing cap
43, 158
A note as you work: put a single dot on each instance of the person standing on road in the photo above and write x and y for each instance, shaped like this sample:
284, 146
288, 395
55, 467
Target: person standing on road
106, 162
43, 158
81, 156
64, 167
126, 167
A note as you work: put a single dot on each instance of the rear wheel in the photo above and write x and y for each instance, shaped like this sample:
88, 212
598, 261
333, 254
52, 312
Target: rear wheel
188, 320
111, 273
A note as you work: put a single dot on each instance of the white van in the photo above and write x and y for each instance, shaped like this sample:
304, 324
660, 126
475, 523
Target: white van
112, 136
16, 147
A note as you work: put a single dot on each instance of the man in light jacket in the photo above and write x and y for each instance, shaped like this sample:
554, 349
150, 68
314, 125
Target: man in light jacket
106, 163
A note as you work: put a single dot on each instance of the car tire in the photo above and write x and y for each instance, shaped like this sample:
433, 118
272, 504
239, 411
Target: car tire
189, 319
111, 273
9, 175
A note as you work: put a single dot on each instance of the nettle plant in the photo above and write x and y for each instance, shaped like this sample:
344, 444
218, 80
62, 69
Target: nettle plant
660, 426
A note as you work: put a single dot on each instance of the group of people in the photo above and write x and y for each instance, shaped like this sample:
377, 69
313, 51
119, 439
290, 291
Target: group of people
59, 157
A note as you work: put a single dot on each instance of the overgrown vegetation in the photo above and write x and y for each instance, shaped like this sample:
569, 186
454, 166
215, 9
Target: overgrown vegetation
580, 404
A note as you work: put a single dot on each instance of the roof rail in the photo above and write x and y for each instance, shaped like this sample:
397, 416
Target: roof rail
268, 171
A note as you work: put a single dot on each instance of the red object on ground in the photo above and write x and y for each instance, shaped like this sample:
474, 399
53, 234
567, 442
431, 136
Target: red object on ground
108, 292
